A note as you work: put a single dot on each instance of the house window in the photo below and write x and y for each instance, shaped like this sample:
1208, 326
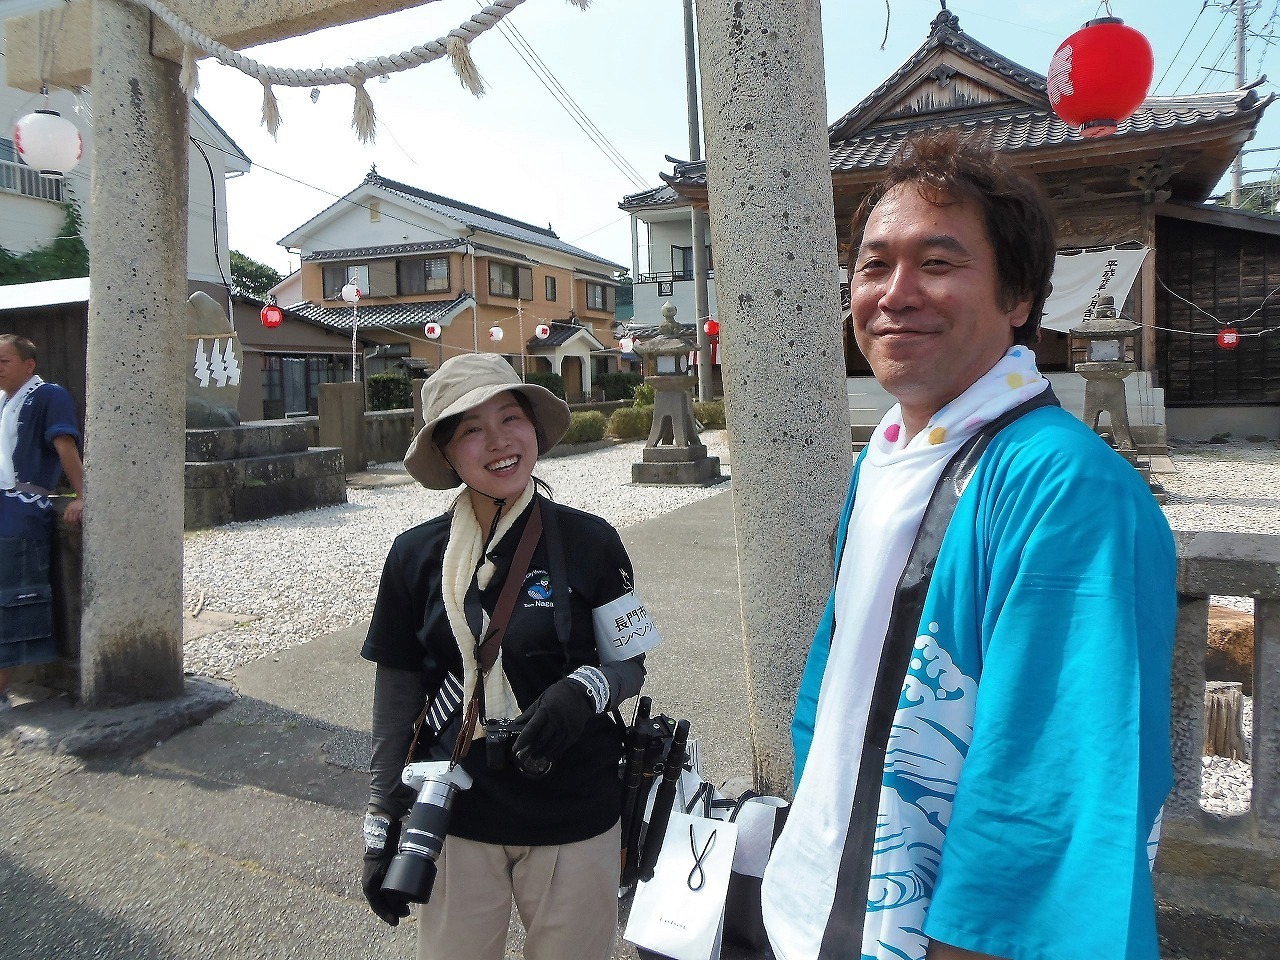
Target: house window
509, 280
424, 276
375, 211
336, 277
681, 263
551, 289
597, 296
295, 380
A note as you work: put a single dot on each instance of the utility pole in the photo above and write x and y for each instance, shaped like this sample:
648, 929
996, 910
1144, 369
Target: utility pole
701, 310
1237, 168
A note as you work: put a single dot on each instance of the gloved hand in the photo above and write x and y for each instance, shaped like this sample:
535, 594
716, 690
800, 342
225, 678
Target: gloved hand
554, 722
381, 838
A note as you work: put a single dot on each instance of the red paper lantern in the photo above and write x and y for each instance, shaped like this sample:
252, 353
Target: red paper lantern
1228, 338
712, 327
271, 315
1100, 76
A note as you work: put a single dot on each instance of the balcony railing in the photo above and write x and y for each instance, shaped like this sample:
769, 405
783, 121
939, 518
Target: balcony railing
19, 178
668, 277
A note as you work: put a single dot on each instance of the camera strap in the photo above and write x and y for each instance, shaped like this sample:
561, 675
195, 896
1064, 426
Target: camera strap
487, 649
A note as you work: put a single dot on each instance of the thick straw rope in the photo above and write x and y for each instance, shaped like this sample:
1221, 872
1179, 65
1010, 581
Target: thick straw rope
454, 45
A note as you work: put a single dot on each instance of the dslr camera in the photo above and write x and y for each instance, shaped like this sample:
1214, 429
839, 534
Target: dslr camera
500, 740
413, 869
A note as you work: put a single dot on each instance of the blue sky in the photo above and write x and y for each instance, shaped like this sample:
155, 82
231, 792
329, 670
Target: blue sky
516, 150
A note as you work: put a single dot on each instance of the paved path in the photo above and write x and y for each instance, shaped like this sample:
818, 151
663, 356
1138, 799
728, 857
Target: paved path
238, 837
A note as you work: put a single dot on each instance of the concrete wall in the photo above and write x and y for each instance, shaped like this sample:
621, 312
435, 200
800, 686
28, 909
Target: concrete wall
1202, 423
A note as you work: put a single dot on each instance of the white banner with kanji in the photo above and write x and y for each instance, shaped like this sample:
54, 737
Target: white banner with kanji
1080, 277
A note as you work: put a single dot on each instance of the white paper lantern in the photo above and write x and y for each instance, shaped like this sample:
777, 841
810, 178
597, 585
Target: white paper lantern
432, 330
49, 142
542, 331
626, 344
351, 293
495, 333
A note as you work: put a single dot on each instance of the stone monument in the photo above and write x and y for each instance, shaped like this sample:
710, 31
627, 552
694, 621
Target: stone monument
673, 453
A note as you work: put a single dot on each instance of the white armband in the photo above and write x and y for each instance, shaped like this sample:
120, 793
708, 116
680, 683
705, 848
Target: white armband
624, 629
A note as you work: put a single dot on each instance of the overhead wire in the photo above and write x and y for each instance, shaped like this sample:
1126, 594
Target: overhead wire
1203, 7
548, 79
1200, 55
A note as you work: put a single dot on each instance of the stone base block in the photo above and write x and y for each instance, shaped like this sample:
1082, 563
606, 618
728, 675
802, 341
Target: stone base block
703, 471
689, 454
257, 487
247, 440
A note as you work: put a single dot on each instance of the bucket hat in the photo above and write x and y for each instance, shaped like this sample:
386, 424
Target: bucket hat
463, 383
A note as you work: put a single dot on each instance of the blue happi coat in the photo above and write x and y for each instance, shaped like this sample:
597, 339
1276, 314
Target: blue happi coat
1030, 754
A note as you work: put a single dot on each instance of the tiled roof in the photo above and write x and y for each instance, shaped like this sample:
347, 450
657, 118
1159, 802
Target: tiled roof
654, 197
862, 140
484, 220
561, 333
1022, 128
945, 31
409, 314
1019, 129
392, 250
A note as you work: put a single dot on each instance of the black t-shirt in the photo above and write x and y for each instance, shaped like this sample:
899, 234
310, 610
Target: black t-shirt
580, 797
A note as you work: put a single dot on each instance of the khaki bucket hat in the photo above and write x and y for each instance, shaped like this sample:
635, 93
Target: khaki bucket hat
463, 383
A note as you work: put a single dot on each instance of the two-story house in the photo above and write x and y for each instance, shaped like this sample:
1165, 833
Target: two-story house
439, 277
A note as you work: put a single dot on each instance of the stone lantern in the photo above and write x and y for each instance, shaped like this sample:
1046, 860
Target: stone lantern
1108, 339
673, 453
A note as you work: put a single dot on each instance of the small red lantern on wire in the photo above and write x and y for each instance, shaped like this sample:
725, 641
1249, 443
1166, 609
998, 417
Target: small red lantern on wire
712, 327
1228, 338
1100, 76
271, 316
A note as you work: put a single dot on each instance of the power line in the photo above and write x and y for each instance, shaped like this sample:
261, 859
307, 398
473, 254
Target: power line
1190, 31
548, 79
1203, 49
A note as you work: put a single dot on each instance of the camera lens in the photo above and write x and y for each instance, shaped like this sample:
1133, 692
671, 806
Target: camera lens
413, 869
532, 767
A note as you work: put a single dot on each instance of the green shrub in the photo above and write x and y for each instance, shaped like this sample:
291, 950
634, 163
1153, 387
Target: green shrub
389, 391
585, 426
644, 395
552, 381
620, 385
630, 423
709, 413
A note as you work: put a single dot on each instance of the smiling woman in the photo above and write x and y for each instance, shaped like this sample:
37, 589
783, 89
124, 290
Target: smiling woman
506, 604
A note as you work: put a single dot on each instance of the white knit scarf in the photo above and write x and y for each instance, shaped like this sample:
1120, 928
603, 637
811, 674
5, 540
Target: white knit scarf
463, 556
9, 410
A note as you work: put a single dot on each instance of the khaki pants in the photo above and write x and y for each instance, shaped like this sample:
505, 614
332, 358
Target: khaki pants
567, 898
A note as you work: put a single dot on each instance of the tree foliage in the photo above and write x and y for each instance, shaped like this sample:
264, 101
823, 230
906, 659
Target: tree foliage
64, 257
252, 276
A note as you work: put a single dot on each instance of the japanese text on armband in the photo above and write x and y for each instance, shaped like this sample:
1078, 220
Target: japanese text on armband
624, 629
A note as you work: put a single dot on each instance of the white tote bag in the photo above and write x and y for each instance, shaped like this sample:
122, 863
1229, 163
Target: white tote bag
680, 912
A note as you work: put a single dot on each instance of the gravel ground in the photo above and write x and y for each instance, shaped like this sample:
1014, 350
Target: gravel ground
306, 574
241, 568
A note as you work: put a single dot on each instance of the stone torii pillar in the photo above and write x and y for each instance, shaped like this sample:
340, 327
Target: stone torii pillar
131, 631
777, 283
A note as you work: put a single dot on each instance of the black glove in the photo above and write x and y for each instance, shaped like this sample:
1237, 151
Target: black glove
381, 838
554, 722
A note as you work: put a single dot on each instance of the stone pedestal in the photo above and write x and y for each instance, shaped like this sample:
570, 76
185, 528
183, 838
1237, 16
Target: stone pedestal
672, 454
258, 470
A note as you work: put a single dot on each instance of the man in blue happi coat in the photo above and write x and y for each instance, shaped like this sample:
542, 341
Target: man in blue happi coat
39, 443
999, 795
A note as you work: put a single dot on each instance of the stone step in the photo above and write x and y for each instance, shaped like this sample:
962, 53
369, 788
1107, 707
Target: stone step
252, 488
257, 439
